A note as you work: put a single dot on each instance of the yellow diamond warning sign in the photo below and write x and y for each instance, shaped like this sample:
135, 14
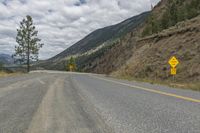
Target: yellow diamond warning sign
173, 62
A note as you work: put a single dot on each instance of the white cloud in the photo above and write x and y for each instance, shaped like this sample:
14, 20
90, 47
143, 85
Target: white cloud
61, 23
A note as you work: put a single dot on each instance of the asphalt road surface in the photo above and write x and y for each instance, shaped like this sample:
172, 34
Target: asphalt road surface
56, 102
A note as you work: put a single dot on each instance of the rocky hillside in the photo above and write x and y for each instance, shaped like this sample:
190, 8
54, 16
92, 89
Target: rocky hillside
151, 54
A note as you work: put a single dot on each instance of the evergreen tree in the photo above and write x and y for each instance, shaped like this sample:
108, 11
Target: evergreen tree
155, 26
173, 14
181, 14
152, 26
146, 31
28, 43
193, 9
165, 20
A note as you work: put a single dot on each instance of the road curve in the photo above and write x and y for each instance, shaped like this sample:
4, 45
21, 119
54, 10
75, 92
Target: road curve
56, 102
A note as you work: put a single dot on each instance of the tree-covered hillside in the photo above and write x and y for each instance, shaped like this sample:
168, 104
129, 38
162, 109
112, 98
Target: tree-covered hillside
175, 11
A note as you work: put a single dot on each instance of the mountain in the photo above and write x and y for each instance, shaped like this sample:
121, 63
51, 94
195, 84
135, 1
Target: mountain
94, 41
6, 59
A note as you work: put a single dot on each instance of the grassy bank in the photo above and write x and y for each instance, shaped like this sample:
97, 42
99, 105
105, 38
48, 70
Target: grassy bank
191, 86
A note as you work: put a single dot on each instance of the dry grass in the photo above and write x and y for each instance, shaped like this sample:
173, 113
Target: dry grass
194, 86
5, 74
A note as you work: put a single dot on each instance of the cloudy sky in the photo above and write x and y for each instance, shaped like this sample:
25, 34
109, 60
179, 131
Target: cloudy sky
61, 23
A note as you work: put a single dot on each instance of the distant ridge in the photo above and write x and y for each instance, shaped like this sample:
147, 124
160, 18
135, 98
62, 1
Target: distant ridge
6, 59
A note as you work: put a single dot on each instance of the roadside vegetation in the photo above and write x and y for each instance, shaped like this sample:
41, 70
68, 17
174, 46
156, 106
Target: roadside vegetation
4, 73
7, 74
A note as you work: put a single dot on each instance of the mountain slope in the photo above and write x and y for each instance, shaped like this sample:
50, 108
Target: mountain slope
94, 41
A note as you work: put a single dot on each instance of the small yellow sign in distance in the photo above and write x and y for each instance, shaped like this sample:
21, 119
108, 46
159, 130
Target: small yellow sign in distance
173, 71
71, 67
173, 62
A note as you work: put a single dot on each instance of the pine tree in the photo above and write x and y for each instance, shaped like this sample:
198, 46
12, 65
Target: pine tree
152, 26
28, 43
165, 20
181, 14
146, 31
193, 9
173, 13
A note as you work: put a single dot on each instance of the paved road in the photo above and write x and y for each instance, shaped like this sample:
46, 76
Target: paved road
85, 103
